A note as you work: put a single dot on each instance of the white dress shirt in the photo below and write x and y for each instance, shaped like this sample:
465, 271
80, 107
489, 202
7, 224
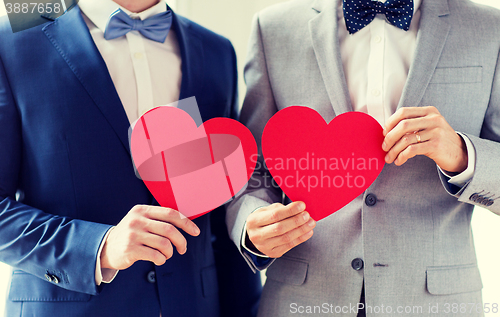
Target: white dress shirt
145, 73
376, 61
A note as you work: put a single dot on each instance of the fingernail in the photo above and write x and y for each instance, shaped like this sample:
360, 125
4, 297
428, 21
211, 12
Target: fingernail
384, 145
185, 250
302, 206
311, 223
196, 230
387, 158
306, 216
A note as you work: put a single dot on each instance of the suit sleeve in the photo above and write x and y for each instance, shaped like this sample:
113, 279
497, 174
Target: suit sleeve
239, 287
484, 188
51, 247
258, 107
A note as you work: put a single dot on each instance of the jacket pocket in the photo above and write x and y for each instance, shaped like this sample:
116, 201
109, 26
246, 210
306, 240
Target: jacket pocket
457, 75
447, 280
288, 270
25, 287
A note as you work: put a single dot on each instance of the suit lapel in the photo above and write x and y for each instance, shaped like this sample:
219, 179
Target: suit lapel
71, 38
192, 61
431, 38
324, 29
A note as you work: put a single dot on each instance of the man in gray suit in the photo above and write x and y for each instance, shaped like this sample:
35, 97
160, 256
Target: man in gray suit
403, 247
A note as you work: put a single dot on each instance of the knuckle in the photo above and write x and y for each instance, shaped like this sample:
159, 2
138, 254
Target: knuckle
165, 244
274, 206
142, 210
278, 228
436, 119
255, 237
169, 253
405, 124
159, 259
286, 238
274, 216
302, 238
132, 236
263, 249
137, 208
304, 229
134, 222
298, 220
168, 229
433, 109
252, 221
409, 150
167, 250
406, 140
170, 213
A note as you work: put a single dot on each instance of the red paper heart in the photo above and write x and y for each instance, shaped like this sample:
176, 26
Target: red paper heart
324, 165
188, 168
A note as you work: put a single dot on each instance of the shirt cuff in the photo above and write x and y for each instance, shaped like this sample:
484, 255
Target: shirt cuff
103, 275
463, 178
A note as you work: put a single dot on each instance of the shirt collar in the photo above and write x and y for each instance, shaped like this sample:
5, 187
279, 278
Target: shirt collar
416, 5
99, 11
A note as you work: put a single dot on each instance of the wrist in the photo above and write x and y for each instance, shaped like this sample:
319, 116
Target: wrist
103, 258
461, 160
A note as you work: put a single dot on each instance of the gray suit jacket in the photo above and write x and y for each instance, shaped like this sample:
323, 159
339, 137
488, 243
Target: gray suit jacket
416, 241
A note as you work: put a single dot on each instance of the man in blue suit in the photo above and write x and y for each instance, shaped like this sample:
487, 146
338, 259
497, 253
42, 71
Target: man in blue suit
79, 228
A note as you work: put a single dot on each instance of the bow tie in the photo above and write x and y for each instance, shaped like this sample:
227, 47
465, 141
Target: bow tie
359, 13
154, 28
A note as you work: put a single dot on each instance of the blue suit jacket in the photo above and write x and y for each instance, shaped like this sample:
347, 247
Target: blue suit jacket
64, 150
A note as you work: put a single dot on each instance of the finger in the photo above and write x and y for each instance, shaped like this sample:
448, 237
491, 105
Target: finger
406, 113
282, 249
149, 254
412, 151
277, 213
173, 217
404, 127
285, 226
404, 142
169, 232
161, 244
292, 235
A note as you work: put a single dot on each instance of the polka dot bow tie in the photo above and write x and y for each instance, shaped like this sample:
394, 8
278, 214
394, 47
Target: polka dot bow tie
359, 13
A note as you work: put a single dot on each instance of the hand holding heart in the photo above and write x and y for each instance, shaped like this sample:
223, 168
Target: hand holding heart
146, 233
438, 140
276, 229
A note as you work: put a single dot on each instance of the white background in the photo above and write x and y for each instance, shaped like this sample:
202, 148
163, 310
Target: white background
232, 18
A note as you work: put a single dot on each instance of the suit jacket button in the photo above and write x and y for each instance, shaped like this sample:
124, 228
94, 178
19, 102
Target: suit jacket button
371, 200
152, 277
357, 264
473, 197
55, 279
481, 199
490, 202
48, 277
